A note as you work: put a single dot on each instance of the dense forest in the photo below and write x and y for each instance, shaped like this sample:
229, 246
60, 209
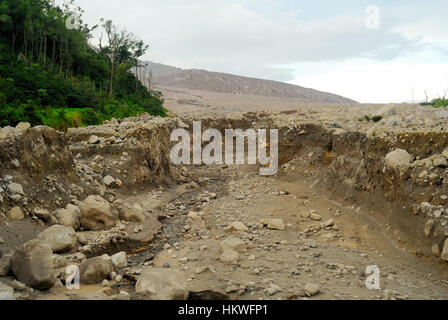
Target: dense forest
52, 74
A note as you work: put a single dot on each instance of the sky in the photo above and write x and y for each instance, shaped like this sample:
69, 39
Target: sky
384, 51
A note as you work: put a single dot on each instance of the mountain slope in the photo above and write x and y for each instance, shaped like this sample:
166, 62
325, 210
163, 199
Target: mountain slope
195, 79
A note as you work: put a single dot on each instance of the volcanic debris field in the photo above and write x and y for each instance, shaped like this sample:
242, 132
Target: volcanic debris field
357, 186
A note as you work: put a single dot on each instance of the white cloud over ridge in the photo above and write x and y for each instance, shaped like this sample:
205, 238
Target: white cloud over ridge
269, 39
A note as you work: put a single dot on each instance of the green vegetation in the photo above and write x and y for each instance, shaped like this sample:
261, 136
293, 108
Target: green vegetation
437, 103
50, 73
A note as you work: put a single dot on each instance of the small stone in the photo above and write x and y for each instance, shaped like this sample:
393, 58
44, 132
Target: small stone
238, 226
274, 224
16, 188
109, 181
441, 162
229, 256
42, 214
435, 249
16, 214
17, 285
399, 158
315, 217
273, 289
429, 227
118, 183
312, 289
15, 163
329, 223
22, 127
444, 255
94, 139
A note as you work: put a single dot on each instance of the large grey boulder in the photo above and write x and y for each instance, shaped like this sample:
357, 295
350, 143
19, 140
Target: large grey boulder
59, 238
96, 270
32, 264
162, 284
97, 214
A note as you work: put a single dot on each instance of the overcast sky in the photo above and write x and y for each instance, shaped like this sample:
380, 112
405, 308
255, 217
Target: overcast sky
335, 46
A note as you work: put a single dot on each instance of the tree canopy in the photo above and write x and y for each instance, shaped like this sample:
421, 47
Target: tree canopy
51, 74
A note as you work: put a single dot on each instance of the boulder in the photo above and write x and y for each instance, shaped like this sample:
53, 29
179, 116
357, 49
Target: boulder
96, 270
59, 238
69, 217
119, 260
131, 212
276, 224
16, 214
96, 214
162, 284
399, 158
312, 289
32, 264
148, 231
94, 139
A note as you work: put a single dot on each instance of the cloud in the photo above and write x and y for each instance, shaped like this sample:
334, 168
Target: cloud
370, 81
232, 36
